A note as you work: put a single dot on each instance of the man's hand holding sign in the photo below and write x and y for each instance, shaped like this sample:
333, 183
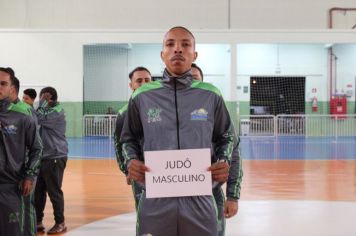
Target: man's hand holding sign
176, 173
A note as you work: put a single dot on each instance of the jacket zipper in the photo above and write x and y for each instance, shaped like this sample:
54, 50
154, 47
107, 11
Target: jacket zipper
176, 104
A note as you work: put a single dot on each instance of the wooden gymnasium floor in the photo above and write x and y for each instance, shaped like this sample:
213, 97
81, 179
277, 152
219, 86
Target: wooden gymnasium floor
96, 189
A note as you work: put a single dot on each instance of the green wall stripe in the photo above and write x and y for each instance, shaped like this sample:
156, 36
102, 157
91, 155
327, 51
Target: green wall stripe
74, 112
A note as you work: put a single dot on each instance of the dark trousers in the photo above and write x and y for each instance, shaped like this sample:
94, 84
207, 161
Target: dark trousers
30, 213
11, 217
220, 204
137, 191
50, 181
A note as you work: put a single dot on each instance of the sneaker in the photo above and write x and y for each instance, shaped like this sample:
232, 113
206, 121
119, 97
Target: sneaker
40, 227
57, 228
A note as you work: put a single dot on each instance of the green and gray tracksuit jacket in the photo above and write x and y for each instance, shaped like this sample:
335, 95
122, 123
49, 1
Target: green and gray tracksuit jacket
51, 120
18, 134
18, 138
233, 187
177, 113
136, 187
121, 115
233, 184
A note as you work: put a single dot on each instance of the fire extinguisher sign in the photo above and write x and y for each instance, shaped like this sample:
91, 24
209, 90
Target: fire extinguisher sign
315, 104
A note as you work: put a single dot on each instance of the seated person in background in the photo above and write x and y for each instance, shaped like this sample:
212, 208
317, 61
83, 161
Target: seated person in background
110, 111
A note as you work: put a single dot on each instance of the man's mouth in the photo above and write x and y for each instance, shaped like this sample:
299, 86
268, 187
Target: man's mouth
177, 58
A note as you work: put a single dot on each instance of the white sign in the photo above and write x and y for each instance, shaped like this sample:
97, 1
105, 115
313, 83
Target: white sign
177, 173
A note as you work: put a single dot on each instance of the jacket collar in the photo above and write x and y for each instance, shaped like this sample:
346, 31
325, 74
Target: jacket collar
4, 104
182, 82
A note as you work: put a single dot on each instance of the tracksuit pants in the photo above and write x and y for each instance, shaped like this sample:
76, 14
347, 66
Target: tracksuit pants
50, 181
219, 197
177, 216
11, 208
30, 213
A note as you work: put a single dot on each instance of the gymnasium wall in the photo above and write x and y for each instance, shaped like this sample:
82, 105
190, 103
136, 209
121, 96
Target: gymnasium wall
162, 14
54, 57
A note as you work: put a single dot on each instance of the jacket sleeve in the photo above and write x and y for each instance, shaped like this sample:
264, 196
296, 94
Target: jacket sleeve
233, 185
34, 146
52, 119
132, 133
118, 145
222, 134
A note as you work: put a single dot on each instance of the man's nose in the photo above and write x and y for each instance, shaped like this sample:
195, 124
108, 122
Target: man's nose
178, 49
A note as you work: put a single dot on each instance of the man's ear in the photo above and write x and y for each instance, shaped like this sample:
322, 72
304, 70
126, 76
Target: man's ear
130, 85
12, 89
195, 55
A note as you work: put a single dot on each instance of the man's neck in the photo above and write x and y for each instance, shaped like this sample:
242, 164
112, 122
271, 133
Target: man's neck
175, 75
15, 100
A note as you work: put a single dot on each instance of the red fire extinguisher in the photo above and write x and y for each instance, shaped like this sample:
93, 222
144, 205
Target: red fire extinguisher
315, 104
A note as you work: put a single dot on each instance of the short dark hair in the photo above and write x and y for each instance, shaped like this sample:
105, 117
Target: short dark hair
139, 68
31, 93
51, 91
16, 84
14, 81
197, 67
182, 28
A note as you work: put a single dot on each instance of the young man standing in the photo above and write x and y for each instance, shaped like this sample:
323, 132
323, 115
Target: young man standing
29, 204
29, 96
138, 77
51, 120
18, 138
228, 208
160, 114
197, 73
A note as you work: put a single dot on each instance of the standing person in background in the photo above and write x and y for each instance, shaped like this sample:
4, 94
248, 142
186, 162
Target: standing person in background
29, 96
20, 155
197, 73
51, 120
160, 114
138, 77
14, 95
228, 208
29, 204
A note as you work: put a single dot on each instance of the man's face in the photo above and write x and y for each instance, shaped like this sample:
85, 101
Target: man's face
196, 74
27, 99
178, 51
13, 95
5, 85
139, 78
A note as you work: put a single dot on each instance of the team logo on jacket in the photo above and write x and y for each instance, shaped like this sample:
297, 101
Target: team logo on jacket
154, 115
199, 114
14, 217
10, 129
